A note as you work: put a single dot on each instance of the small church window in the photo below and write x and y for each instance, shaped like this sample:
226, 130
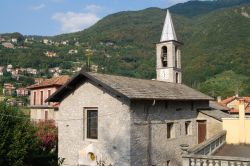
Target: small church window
166, 105
46, 115
92, 124
170, 130
176, 56
168, 163
41, 97
164, 56
188, 128
34, 98
177, 78
192, 105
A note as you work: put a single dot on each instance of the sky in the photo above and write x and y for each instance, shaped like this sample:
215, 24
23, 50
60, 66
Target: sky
53, 17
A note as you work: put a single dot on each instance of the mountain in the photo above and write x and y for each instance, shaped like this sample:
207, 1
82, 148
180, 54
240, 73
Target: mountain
216, 41
195, 7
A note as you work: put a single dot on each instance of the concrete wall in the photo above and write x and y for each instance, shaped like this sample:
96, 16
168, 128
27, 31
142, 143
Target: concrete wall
237, 128
214, 126
38, 95
149, 142
38, 109
234, 133
113, 125
37, 114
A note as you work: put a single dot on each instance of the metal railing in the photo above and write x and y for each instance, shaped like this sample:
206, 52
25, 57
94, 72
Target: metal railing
210, 146
200, 155
201, 160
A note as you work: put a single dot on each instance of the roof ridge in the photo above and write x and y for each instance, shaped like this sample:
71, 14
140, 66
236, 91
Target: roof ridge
132, 88
143, 79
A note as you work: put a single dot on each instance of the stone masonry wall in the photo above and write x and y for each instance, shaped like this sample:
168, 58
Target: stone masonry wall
213, 126
113, 141
149, 142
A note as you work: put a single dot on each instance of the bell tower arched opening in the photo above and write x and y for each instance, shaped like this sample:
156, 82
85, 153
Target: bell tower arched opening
164, 56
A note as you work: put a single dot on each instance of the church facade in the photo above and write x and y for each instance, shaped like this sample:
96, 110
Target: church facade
130, 122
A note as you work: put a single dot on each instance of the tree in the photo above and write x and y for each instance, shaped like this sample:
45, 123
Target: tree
17, 138
22, 143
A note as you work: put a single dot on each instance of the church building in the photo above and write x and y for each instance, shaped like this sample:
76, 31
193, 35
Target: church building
126, 121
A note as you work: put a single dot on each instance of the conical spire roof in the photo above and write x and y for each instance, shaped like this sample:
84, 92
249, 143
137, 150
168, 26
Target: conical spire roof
168, 32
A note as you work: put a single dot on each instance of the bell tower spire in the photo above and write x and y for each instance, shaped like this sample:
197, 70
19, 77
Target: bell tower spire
168, 54
168, 31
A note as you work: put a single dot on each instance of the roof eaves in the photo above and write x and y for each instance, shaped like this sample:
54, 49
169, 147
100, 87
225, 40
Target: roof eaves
176, 99
68, 88
105, 86
204, 112
65, 87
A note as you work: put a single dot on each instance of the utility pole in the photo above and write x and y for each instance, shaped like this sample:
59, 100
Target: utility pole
88, 53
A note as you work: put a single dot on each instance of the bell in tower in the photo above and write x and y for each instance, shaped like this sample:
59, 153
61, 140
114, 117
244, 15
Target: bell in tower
164, 56
168, 58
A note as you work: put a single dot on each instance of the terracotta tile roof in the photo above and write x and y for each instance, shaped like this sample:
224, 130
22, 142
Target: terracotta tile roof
227, 100
218, 106
56, 81
131, 88
246, 99
230, 99
234, 110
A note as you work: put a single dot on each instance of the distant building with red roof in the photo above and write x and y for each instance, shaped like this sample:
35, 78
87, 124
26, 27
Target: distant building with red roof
8, 89
233, 102
39, 92
22, 92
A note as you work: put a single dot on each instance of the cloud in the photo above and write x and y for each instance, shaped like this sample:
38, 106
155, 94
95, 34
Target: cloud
37, 7
57, 1
93, 8
72, 22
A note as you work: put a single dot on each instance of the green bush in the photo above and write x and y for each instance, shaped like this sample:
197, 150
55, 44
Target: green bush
19, 143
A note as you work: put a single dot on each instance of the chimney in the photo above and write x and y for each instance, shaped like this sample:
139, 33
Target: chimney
218, 99
242, 129
241, 109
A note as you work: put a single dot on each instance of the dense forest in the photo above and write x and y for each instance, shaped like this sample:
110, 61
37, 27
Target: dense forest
215, 54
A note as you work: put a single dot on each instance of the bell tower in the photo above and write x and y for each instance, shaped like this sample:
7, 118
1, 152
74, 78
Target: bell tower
168, 54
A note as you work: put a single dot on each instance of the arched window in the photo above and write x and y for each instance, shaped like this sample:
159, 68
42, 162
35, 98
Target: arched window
177, 77
164, 56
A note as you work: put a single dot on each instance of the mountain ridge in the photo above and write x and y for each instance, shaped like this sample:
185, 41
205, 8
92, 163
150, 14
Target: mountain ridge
214, 42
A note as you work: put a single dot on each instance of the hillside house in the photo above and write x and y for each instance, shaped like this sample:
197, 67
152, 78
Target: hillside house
9, 68
1, 70
55, 69
8, 45
50, 54
31, 71
39, 109
8, 89
233, 104
22, 91
2, 39
38, 80
45, 41
65, 42
73, 51
131, 122
14, 40
94, 68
